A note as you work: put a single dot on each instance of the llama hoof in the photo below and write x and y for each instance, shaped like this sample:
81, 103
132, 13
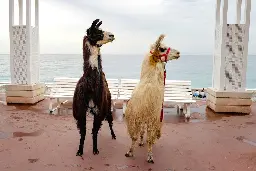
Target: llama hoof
141, 144
96, 151
150, 160
79, 153
128, 154
158, 135
113, 137
187, 116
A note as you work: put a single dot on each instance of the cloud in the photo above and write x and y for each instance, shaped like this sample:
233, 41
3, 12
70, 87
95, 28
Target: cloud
188, 24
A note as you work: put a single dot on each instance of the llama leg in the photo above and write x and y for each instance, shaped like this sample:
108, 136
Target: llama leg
150, 141
95, 130
150, 153
82, 131
110, 123
131, 150
142, 132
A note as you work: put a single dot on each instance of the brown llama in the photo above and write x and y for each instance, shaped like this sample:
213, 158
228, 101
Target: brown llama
143, 110
92, 95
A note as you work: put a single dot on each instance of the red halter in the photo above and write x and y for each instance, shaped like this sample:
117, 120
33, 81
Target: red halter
165, 54
166, 57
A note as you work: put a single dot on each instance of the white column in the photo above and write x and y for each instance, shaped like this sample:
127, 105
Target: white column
20, 12
218, 12
223, 49
28, 28
224, 12
217, 23
11, 13
11, 22
36, 13
247, 12
37, 25
238, 11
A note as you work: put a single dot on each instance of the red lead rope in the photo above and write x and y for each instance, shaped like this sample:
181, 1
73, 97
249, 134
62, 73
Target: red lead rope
162, 111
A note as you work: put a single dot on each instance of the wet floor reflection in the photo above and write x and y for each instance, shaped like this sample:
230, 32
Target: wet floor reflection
27, 134
249, 142
5, 135
243, 139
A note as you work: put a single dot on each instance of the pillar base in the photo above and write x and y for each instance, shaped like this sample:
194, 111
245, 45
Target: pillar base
229, 102
25, 94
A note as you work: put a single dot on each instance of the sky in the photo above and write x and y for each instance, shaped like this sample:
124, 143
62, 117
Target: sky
188, 24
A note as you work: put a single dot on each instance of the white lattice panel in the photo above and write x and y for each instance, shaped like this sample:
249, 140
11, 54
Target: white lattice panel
234, 56
19, 58
22, 61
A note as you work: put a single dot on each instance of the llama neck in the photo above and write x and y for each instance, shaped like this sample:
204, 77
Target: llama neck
92, 58
149, 71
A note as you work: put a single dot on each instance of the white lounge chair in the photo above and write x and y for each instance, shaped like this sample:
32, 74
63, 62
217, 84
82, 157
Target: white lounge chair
179, 92
125, 90
113, 85
253, 94
64, 87
61, 89
2, 92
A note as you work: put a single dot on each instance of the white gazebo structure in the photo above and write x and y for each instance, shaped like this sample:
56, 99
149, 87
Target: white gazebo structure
24, 57
228, 91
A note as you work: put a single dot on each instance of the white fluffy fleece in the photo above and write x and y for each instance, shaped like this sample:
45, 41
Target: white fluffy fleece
93, 60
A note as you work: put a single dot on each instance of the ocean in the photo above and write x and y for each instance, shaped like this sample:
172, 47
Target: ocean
197, 68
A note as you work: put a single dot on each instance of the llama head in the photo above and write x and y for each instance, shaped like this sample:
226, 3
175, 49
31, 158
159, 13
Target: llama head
98, 37
162, 53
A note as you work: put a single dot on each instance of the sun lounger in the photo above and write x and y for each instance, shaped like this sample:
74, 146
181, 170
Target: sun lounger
125, 90
176, 91
2, 92
179, 92
63, 89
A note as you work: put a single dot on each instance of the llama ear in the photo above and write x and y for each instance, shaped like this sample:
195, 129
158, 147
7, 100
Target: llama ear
157, 45
159, 40
94, 23
98, 25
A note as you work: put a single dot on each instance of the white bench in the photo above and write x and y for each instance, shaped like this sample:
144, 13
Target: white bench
179, 92
2, 92
125, 90
113, 85
61, 88
2, 85
64, 87
253, 94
